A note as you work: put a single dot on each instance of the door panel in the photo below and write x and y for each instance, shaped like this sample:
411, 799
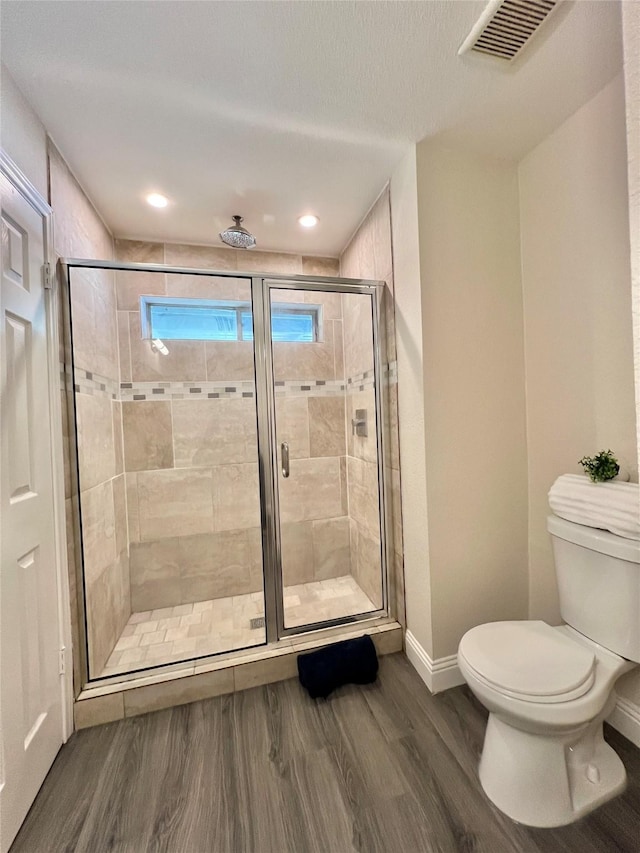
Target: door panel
31, 698
327, 445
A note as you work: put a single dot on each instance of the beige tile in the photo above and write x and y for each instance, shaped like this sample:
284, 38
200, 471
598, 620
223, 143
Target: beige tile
330, 303
218, 564
391, 426
358, 338
344, 487
120, 514
95, 339
101, 709
396, 509
286, 295
178, 502
66, 442
98, 529
326, 426
366, 562
214, 432
292, 425
305, 361
133, 516
96, 455
269, 262
380, 225
155, 574
116, 413
139, 252
132, 284
105, 616
236, 497
185, 361
338, 350
397, 593
296, 541
199, 257
124, 346
331, 548
209, 287
147, 435
320, 266
141, 700
312, 490
229, 361
363, 494
265, 671
388, 641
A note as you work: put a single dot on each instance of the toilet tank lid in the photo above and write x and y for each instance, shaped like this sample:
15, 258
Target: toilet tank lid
529, 659
595, 539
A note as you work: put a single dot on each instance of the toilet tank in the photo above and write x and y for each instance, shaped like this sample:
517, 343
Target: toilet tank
599, 584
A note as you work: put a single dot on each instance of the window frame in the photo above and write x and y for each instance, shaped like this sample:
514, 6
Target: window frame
279, 308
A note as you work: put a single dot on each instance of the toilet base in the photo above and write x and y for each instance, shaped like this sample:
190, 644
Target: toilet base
549, 780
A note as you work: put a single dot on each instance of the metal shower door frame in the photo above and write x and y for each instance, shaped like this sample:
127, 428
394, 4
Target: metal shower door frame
268, 444
261, 284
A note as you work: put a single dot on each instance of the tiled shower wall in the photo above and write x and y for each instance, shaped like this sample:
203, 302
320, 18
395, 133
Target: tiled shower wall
79, 232
190, 449
369, 255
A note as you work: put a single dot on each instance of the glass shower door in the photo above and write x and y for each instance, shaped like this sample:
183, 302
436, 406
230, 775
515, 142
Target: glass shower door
167, 461
327, 452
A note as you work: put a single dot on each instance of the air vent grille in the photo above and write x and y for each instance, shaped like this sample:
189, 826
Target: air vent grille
506, 26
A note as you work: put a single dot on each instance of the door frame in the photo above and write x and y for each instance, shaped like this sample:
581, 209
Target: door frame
267, 468
28, 191
268, 446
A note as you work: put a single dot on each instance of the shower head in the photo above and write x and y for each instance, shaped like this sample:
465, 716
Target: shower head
237, 236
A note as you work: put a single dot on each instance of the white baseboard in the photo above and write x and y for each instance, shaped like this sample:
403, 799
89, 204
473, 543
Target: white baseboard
625, 718
439, 674
443, 673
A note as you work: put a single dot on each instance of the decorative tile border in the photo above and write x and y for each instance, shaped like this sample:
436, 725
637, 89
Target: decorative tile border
87, 382
94, 384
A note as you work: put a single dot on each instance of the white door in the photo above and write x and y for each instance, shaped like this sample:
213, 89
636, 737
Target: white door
30, 689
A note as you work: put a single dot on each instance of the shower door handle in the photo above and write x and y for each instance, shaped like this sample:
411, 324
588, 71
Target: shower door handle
284, 451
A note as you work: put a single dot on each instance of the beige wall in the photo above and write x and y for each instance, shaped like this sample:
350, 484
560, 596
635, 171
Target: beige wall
23, 136
577, 310
474, 391
629, 686
410, 402
79, 232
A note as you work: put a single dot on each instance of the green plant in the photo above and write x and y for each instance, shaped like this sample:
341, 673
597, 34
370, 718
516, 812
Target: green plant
601, 467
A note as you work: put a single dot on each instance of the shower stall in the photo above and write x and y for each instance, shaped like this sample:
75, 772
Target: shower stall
229, 460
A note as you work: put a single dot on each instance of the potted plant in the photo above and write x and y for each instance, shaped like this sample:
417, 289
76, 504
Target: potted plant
601, 467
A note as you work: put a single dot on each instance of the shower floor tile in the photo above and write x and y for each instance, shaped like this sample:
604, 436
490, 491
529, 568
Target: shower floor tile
171, 634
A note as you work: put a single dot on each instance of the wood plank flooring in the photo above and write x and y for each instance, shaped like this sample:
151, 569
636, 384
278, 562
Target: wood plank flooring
378, 769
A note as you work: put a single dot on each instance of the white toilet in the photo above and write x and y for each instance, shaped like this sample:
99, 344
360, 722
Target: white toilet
544, 761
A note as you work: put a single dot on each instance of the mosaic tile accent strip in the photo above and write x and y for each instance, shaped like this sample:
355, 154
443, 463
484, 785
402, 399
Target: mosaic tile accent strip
94, 384
86, 382
220, 389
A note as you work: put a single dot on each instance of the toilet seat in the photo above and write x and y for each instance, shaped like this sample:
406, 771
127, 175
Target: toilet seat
529, 661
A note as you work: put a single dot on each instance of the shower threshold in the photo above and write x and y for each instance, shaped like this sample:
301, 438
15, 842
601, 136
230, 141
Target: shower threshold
173, 634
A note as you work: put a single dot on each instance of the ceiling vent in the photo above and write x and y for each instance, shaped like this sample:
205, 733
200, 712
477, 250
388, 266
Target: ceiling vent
506, 26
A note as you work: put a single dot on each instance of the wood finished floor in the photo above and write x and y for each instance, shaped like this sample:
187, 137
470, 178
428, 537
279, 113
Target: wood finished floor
386, 767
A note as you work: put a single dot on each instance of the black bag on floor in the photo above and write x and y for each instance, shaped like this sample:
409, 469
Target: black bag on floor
348, 662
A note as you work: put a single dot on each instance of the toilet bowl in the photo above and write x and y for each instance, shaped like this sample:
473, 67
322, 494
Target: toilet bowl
548, 689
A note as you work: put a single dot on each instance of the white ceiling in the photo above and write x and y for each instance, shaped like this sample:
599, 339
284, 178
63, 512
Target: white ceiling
273, 109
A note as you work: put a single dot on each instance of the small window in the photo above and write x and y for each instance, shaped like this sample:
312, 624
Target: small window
168, 319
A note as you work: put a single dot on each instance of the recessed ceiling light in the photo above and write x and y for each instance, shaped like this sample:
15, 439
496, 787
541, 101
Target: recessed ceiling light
308, 220
157, 200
